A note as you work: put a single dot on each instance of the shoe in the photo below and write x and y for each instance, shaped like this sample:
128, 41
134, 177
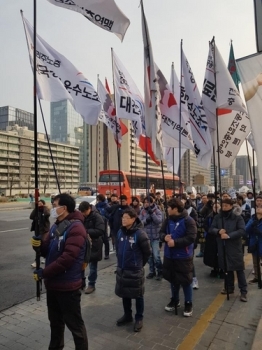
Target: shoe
124, 320
138, 325
200, 255
151, 275
43, 261
253, 281
172, 305
243, 297
253, 272
159, 276
195, 283
224, 291
90, 289
188, 310
33, 265
106, 257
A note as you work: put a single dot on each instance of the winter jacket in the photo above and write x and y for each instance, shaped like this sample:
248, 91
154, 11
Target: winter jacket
102, 208
133, 253
178, 260
207, 209
235, 228
210, 252
65, 257
246, 212
43, 220
95, 227
151, 221
254, 231
137, 208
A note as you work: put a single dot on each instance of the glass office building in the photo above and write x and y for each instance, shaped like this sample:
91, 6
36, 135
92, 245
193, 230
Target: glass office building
67, 126
9, 116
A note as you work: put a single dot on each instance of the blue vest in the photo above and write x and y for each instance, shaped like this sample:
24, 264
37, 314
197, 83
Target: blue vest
129, 254
177, 229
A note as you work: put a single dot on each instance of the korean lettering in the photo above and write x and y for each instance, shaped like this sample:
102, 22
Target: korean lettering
209, 89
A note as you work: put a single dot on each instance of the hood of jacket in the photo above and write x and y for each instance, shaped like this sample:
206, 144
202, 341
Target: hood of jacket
237, 210
136, 226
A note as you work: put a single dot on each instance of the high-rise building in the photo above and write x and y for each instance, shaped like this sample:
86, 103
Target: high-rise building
242, 168
67, 126
9, 116
190, 168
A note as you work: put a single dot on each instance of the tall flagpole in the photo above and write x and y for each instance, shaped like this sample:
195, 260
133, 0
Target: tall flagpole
117, 130
173, 154
180, 119
38, 283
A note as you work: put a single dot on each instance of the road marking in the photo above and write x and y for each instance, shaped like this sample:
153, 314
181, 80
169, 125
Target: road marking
199, 328
17, 229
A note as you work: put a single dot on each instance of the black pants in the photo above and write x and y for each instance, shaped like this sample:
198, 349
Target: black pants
106, 243
64, 309
127, 304
242, 284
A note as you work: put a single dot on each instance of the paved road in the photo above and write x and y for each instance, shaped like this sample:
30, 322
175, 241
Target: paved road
16, 256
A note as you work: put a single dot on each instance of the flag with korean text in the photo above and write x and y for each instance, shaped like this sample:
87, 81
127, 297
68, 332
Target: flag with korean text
130, 105
169, 108
151, 91
192, 108
104, 13
108, 113
124, 129
250, 69
58, 79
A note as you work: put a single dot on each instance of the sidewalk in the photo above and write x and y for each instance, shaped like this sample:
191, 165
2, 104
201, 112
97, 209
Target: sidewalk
216, 323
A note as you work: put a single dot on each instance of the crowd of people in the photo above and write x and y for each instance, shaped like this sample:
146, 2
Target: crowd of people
220, 226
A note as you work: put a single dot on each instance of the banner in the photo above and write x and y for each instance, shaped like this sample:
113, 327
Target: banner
108, 113
152, 95
250, 69
192, 108
104, 13
58, 79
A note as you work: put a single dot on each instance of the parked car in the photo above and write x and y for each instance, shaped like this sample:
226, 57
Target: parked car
89, 199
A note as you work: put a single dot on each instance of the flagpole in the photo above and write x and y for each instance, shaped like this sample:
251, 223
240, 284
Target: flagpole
173, 91
117, 131
219, 170
180, 119
38, 283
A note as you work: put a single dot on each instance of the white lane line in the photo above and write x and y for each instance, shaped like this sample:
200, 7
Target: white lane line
17, 229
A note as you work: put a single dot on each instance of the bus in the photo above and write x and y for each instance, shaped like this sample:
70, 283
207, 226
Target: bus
130, 184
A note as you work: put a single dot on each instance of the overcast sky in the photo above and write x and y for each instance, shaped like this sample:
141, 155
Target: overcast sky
89, 48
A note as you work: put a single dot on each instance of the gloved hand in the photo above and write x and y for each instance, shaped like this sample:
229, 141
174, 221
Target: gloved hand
148, 220
38, 274
36, 243
150, 211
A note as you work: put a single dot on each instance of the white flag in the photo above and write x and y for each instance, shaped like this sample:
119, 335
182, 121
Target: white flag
249, 69
250, 139
171, 127
104, 13
233, 128
58, 79
152, 95
219, 91
174, 84
171, 156
108, 113
192, 108
128, 100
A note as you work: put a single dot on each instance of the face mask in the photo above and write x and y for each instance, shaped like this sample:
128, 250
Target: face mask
53, 213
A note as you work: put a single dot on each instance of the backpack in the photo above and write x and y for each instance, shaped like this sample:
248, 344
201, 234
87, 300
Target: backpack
62, 230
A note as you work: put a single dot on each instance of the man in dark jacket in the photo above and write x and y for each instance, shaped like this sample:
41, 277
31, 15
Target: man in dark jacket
64, 249
179, 233
151, 217
102, 206
115, 214
229, 229
133, 253
95, 228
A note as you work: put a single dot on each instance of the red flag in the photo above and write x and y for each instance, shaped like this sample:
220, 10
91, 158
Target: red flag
146, 146
124, 129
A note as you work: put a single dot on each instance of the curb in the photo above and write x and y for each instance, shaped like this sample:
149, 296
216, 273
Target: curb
12, 208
